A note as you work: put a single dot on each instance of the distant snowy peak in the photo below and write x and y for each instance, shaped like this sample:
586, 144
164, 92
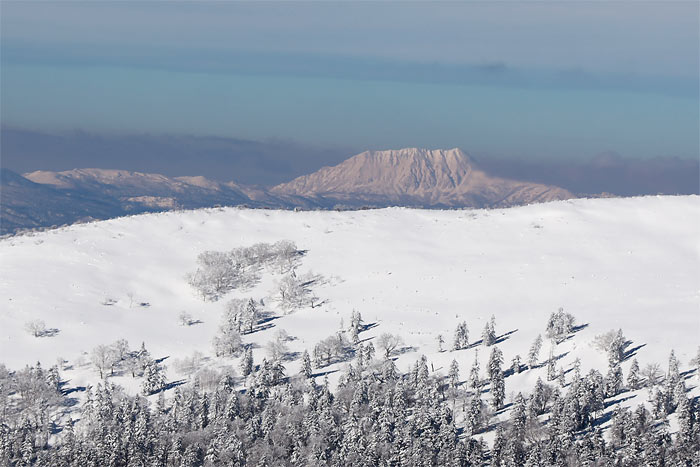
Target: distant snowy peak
418, 177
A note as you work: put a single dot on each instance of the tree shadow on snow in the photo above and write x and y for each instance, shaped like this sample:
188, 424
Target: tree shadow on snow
323, 373
617, 400
504, 337
631, 352
171, 385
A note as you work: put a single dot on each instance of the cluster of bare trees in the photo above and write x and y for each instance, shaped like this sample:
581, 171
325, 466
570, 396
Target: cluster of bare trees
117, 356
219, 272
295, 291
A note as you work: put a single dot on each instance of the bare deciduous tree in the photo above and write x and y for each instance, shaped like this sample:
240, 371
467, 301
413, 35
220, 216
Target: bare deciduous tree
389, 343
36, 328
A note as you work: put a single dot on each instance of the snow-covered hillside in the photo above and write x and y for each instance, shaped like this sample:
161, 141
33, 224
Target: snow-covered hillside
613, 263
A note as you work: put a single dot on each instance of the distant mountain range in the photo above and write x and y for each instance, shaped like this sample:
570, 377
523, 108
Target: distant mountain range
406, 177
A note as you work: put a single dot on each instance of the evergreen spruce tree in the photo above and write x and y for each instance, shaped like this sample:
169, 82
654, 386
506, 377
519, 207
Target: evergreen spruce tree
534, 353
369, 353
306, 369
488, 336
453, 375
551, 366
474, 380
153, 378
498, 390
613, 381
495, 362
247, 361
515, 365
633, 380
461, 338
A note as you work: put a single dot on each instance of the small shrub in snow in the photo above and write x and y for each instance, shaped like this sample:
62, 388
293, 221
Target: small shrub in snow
36, 328
185, 319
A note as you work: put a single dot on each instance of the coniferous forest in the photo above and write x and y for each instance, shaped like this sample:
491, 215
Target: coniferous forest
263, 415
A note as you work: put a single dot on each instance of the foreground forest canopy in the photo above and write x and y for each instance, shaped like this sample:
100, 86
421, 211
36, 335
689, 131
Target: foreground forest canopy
375, 416
206, 338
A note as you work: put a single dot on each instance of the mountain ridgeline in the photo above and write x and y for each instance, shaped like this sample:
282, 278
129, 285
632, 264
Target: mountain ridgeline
406, 177
417, 178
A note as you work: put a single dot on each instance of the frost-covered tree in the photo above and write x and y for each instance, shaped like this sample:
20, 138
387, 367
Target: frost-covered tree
369, 353
516, 366
475, 416
185, 319
216, 274
541, 395
227, 342
651, 374
153, 378
614, 344
242, 314
453, 375
474, 380
673, 373
495, 362
388, 343
103, 357
533, 355
36, 328
306, 369
613, 381
277, 347
440, 342
633, 379
551, 366
331, 348
488, 336
295, 291
498, 390
559, 325
461, 338
247, 361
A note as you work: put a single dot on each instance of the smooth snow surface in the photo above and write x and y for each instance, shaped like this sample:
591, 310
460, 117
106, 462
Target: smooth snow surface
613, 263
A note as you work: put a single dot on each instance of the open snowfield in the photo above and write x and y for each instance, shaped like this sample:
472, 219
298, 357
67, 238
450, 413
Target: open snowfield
613, 263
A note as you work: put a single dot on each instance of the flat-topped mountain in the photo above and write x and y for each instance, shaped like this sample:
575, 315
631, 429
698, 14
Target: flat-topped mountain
416, 177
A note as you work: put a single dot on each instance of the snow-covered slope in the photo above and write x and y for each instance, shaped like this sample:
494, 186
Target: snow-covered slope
613, 263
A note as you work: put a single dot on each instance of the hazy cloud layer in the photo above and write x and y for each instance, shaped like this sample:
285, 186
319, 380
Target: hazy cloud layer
635, 37
222, 159
606, 172
272, 162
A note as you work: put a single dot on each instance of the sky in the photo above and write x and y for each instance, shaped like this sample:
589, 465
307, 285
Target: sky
527, 81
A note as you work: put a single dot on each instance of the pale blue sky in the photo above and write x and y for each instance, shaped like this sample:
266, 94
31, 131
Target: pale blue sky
527, 79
